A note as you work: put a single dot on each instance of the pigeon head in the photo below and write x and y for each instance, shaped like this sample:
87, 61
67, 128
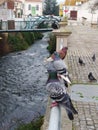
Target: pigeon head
63, 52
90, 73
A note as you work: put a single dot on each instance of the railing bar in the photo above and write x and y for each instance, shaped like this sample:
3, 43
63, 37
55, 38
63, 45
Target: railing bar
55, 118
27, 30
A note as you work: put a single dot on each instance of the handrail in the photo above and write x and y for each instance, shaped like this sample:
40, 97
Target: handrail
55, 120
27, 30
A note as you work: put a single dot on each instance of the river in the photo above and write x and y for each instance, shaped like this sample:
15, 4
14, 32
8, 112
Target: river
23, 75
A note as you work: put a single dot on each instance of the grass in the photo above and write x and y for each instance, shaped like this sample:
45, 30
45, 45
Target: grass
34, 125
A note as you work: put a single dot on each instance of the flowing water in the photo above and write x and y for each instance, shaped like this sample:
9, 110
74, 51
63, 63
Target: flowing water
23, 75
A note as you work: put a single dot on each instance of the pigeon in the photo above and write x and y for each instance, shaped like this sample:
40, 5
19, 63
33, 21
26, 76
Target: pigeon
62, 53
58, 93
81, 62
93, 57
61, 68
91, 77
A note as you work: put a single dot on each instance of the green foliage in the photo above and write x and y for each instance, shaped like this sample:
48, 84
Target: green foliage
21, 41
28, 37
17, 43
80, 94
50, 7
38, 35
52, 43
35, 125
43, 25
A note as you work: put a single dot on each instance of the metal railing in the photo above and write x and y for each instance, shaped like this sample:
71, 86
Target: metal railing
20, 26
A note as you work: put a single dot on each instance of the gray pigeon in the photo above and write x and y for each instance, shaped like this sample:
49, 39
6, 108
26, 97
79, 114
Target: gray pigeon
81, 62
91, 77
58, 93
61, 67
93, 57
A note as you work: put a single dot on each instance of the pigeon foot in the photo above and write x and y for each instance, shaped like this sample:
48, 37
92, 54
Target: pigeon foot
53, 104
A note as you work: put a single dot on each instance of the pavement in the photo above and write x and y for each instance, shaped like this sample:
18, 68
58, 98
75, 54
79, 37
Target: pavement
83, 42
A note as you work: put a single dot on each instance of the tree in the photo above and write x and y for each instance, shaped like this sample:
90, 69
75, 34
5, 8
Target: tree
50, 7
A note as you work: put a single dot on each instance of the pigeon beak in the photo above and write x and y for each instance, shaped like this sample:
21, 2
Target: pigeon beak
49, 59
65, 78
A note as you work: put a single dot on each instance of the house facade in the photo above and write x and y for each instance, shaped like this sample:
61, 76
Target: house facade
6, 9
33, 7
11, 9
72, 6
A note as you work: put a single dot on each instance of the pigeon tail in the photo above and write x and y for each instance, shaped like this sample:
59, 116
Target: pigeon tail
67, 103
69, 114
73, 108
93, 57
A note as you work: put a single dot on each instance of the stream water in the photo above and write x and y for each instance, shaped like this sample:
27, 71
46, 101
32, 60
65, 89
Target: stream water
23, 75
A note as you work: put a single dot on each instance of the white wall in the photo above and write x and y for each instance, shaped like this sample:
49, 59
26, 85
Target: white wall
33, 4
90, 17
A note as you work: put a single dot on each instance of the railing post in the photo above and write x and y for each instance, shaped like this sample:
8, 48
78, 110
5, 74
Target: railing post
61, 36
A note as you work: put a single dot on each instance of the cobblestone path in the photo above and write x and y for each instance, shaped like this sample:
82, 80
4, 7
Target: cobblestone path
83, 43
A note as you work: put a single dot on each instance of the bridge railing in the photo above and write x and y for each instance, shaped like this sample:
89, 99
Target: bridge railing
55, 121
22, 26
27, 24
11, 24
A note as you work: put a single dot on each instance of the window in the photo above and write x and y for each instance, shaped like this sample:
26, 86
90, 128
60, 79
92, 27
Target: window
29, 7
37, 7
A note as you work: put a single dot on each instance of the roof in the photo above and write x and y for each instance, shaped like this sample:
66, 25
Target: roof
2, 1
33, 0
72, 2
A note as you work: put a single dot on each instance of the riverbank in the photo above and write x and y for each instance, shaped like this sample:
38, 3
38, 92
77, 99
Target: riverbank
17, 41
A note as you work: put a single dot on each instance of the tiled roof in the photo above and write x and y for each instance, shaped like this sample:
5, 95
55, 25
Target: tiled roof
34, 0
2, 1
73, 2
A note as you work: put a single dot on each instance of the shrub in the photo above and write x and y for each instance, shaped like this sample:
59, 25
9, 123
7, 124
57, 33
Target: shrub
21, 41
35, 125
16, 42
52, 44
28, 37
38, 35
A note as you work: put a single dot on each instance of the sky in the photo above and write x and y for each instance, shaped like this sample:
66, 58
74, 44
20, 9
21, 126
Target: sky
60, 1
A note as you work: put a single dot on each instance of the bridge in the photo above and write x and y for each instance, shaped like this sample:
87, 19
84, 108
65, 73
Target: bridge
38, 24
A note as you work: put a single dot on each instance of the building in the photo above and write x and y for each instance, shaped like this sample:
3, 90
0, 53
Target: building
6, 9
71, 7
33, 7
11, 9
61, 9
74, 2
